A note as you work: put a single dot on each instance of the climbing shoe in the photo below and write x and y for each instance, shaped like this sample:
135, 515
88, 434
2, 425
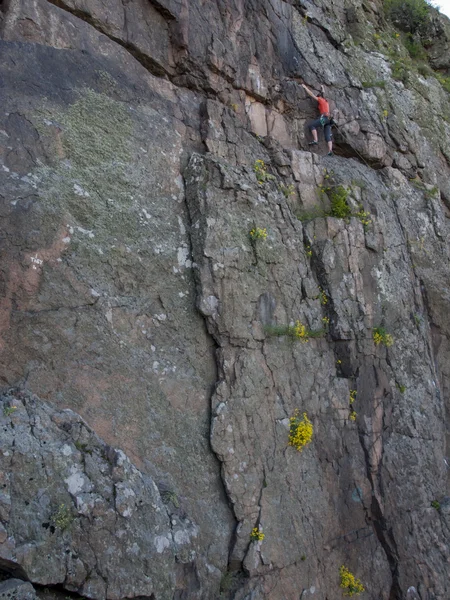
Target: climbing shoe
330, 154
313, 143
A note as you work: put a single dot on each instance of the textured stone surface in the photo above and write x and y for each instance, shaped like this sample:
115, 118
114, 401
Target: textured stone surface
78, 513
16, 589
244, 286
132, 295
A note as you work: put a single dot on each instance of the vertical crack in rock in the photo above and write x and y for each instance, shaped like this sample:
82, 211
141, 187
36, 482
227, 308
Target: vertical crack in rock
191, 177
384, 535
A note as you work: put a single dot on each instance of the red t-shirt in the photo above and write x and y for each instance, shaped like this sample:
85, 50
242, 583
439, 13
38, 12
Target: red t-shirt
324, 107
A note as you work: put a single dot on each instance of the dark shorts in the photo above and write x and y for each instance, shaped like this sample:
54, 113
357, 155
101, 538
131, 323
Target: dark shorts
326, 124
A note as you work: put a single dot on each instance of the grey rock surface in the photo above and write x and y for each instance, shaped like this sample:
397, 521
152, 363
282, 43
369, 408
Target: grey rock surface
135, 308
77, 512
16, 589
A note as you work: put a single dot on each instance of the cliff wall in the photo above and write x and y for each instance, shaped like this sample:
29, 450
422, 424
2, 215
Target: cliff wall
149, 364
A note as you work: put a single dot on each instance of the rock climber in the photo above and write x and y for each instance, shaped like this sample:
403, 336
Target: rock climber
324, 120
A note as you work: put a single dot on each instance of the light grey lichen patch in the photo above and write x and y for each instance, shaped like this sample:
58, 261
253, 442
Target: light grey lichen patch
92, 177
114, 183
97, 131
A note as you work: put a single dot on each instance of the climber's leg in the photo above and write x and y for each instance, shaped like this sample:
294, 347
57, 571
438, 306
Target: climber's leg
328, 137
313, 129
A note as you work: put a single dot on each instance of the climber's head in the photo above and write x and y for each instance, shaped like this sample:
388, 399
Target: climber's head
320, 94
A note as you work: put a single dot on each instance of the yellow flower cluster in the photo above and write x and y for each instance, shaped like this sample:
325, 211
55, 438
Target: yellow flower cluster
257, 535
388, 340
323, 297
349, 583
300, 332
300, 431
380, 336
352, 398
364, 217
261, 173
258, 234
287, 190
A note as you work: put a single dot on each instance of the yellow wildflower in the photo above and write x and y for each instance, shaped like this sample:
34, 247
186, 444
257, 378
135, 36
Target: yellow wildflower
300, 332
257, 535
349, 583
300, 431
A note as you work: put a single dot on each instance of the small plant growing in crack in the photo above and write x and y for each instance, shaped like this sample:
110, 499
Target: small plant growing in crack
323, 297
9, 410
381, 336
257, 535
63, 517
260, 170
258, 233
300, 431
287, 190
352, 398
435, 504
349, 583
364, 217
338, 196
83, 447
169, 496
298, 331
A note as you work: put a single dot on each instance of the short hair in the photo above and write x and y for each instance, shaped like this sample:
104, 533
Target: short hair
320, 94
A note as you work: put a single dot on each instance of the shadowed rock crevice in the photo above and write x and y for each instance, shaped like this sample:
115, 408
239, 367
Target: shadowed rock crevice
145, 60
9, 568
193, 212
380, 526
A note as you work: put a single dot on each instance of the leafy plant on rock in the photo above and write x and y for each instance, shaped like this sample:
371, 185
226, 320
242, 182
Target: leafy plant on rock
352, 398
261, 173
381, 336
287, 190
349, 583
9, 410
258, 233
257, 535
63, 517
298, 331
300, 431
170, 496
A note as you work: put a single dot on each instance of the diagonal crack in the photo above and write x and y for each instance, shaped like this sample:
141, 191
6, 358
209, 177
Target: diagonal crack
149, 63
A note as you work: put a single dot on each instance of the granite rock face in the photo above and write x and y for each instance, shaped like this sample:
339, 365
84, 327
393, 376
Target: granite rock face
78, 513
16, 589
145, 430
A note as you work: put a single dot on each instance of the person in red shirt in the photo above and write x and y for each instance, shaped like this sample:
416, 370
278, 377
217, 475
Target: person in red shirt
323, 121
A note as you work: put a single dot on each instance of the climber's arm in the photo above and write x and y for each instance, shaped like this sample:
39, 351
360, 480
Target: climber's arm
309, 92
